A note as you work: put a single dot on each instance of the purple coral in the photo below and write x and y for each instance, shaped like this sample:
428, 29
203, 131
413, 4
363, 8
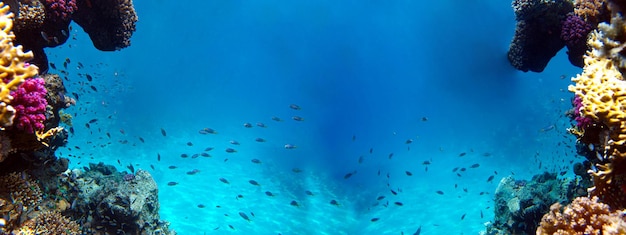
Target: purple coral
60, 10
581, 121
29, 101
574, 30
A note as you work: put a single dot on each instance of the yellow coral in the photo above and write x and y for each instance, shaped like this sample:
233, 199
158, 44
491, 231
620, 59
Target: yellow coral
582, 216
51, 223
13, 68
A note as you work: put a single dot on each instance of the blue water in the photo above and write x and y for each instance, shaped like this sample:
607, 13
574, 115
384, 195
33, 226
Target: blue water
363, 69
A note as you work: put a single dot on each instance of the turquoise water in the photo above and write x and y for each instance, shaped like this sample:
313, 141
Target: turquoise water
367, 75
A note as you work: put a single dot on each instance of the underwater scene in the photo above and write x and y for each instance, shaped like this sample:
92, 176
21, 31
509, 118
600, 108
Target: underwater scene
312, 117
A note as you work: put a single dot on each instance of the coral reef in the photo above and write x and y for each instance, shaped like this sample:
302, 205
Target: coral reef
106, 202
519, 204
109, 23
537, 34
50, 223
13, 67
582, 216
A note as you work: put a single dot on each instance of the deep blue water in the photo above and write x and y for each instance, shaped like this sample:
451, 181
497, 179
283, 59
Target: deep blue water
365, 69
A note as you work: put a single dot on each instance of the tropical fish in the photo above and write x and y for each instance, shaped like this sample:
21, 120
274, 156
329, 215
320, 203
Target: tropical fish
244, 216
476, 165
163, 132
224, 181
256, 161
260, 124
189, 144
334, 202
172, 183
296, 170
172, 167
253, 182
347, 176
276, 119
419, 230
260, 140
294, 107
408, 173
490, 178
547, 128
268, 193
234, 142
230, 150
462, 154
374, 219
360, 159
294, 203
207, 130
307, 192
290, 146
408, 141
297, 118
247, 125
398, 203
439, 192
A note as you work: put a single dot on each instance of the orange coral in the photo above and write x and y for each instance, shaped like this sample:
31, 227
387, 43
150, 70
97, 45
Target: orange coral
590, 10
582, 216
50, 223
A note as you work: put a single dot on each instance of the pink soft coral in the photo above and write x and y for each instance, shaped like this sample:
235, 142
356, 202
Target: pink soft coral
29, 101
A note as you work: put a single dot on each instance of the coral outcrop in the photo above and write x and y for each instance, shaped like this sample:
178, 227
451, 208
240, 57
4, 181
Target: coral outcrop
582, 216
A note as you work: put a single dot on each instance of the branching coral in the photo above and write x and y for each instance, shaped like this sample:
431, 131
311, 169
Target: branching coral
582, 216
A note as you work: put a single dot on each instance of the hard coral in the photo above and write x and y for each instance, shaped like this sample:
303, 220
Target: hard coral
592, 11
574, 33
109, 23
537, 33
51, 223
30, 105
13, 68
582, 216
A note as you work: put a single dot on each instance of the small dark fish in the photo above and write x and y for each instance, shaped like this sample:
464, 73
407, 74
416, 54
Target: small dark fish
172, 183
393, 192
141, 139
439, 192
294, 203
294, 107
131, 168
80, 65
231, 150
371, 150
239, 196
462, 169
93, 120
408, 141
297, 118
463, 217
234, 142
205, 154
290, 146
158, 157
424, 119
260, 140
347, 176
253, 182
201, 206
193, 172
189, 144
426, 162
119, 162
268, 193
296, 170
408, 173
398, 203
89, 78
208, 149
462, 154
481, 214
334, 202
94, 88
353, 137
419, 230
276, 119
184, 155
360, 159
231, 227
260, 124
152, 166
247, 125
476, 165
486, 154
244, 216
307, 192
374, 219
87, 125
490, 178
53, 66
163, 132
390, 155
256, 161
224, 181
455, 169
72, 130
122, 131
172, 167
